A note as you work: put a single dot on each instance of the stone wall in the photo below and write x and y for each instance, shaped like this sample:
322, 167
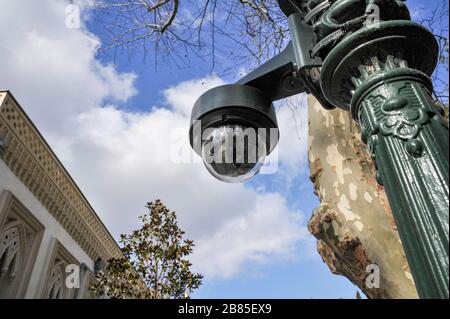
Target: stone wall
36, 239
50, 237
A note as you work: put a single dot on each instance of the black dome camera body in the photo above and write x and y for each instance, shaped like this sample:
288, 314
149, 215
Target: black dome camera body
233, 128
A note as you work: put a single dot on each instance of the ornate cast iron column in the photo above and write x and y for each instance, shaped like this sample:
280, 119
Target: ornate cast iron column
377, 64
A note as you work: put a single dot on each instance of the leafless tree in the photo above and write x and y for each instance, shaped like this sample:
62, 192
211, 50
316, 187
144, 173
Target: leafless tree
228, 33
255, 30
435, 18
250, 31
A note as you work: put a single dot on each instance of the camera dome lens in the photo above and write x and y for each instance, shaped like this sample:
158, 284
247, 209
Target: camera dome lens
233, 153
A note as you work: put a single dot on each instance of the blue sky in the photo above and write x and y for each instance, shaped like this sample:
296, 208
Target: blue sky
306, 276
112, 121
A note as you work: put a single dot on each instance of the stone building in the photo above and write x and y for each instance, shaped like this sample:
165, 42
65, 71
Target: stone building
51, 240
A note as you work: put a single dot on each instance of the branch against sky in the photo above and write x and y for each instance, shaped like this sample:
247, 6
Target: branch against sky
173, 29
232, 31
435, 18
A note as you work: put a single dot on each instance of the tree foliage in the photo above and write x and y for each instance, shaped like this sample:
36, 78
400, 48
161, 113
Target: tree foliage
154, 263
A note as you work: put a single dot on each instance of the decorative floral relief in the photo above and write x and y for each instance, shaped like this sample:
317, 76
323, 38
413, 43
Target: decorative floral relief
405, 124
27, 146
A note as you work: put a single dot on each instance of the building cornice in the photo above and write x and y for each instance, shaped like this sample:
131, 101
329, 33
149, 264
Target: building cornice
31, 159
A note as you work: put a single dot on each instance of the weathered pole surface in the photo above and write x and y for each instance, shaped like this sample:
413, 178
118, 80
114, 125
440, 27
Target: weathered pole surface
377, 64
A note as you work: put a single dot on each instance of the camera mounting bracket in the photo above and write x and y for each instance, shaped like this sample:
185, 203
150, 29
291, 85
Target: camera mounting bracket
292, 71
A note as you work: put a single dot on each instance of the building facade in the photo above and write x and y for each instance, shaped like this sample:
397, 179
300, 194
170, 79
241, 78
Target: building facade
51, 241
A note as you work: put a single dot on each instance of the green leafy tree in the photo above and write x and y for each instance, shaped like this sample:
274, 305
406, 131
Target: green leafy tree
155, 263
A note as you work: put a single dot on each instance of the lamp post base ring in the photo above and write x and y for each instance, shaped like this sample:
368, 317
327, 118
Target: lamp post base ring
399, 39
399, 74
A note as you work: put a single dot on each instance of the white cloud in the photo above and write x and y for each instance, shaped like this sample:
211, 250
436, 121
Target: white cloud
183, 96
130, 157
122, 159
292, 119
267, 229
57, 64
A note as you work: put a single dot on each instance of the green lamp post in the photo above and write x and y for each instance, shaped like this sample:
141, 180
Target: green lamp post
367, 57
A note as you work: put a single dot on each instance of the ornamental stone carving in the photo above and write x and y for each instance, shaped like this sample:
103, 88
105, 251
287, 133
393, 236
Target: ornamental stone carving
30, 158
20, 238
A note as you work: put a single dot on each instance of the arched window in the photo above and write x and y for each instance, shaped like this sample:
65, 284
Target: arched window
10, 252
63, 277
56, 283
20, 238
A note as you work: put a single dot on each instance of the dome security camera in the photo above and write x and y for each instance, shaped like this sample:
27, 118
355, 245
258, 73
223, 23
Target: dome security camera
233, 128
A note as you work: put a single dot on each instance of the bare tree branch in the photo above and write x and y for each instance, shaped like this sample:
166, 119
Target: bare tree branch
249, 31
436, 19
